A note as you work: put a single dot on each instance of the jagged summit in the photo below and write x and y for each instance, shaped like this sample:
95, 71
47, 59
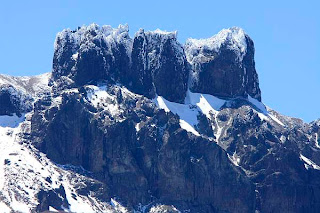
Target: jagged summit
234, 38
155, 63
223, 65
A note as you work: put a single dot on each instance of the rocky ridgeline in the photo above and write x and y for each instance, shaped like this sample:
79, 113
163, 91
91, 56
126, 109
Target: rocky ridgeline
151, 125
156, 63
17, 94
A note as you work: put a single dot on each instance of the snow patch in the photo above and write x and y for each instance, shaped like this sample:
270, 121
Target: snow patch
275, 119
317, 142
19, 207
188, 127
309, 164
235, 159
99, 97
52, 209
188, 112
264, 114
208, 104
137, 127
4, 208
75, 56
163, 208
164, 32
77, 204
117, 206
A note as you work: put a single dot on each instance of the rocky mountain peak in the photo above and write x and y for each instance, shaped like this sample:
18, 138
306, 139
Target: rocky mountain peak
91, 53
233, 38
159, 65
223, 65
145, 124
155, 63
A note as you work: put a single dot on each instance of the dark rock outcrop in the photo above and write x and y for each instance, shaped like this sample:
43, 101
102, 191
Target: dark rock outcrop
91, 54
223, 65
54, 198
159, 66
14, 101
153, 63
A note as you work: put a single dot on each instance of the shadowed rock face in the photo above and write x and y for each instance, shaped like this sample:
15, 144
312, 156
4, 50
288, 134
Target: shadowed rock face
8, 103
13, 101
160, 162
153, 63
159, 66
223, 65
91, 54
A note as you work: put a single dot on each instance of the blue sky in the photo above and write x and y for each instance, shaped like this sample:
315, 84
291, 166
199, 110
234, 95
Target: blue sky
286, 36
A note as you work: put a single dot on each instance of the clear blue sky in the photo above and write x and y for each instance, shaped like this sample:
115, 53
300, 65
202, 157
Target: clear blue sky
286, 36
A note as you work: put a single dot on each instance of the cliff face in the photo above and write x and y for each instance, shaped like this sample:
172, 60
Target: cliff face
223, 65
140, 152
149, 125
159, 65
152, 63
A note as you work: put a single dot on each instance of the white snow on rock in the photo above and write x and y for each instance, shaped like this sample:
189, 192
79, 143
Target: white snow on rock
4, 208
234, 38
23, 172
210, 106
163, 208
105, 99
188, 127
75, 56
309, 164
52, 209
264, 114
117, 206
235, 159
32, 85
99, 97
317, 141
158, 32
82, 39
188, 112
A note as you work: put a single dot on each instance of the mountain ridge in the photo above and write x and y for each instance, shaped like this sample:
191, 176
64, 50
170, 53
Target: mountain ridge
149, 125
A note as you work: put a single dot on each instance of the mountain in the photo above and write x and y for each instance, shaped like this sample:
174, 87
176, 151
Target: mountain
146, 124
